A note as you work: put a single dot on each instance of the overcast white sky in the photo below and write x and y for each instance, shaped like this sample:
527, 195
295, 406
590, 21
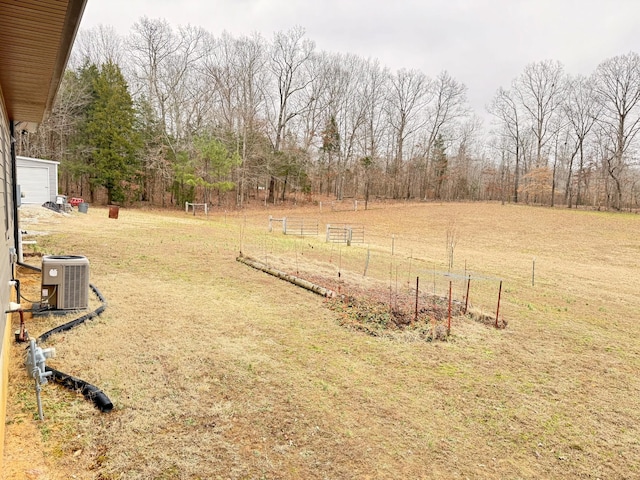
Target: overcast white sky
482, 43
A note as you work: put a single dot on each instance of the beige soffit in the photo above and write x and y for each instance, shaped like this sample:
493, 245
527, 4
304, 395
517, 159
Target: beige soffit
36, 37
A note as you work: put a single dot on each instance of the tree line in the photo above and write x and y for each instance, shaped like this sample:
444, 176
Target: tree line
166, 115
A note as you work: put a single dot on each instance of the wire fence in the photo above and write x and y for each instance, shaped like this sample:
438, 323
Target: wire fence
407, 282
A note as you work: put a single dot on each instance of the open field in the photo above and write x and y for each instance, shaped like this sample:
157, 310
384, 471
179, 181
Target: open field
217, 370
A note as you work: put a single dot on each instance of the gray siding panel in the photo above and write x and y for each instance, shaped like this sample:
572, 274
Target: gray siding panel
6, 220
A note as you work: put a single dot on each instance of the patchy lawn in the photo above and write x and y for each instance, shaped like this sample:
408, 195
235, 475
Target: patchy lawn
217, 370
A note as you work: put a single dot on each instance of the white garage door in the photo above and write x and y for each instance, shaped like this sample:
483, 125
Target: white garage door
34, 184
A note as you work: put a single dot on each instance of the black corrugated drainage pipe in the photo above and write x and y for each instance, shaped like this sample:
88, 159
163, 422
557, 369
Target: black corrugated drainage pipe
74, 323
89, 391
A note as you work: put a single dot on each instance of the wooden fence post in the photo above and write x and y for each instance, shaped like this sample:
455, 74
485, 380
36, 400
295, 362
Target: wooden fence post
449, 314
417, 292
498, 309
466, 298
533, 273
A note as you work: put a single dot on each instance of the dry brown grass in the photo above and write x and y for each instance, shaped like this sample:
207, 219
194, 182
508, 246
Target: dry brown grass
217, 370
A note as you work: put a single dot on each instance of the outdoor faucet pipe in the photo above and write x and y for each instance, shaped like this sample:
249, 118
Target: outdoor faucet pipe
22, 333
16, 284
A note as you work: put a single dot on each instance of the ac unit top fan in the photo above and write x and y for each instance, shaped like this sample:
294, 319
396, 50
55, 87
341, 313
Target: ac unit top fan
65, 282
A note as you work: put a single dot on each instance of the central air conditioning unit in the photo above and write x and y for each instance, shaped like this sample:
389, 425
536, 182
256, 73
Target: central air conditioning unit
65, 282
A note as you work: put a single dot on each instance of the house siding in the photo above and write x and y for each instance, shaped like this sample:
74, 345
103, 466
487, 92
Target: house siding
6, 267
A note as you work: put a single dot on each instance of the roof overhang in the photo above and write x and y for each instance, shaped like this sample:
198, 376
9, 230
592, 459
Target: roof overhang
36, 37
20, 159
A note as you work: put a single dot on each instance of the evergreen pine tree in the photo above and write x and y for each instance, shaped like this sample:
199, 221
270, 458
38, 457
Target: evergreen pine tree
110, 133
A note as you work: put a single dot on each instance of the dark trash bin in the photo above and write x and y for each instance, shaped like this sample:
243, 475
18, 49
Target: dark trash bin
83, 207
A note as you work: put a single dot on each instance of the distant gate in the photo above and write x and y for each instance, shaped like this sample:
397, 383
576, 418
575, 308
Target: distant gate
343, 233
299, 226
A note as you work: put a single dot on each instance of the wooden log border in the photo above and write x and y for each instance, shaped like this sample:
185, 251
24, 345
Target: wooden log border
300, 282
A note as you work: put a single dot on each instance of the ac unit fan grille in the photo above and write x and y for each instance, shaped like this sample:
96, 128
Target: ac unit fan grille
75, 294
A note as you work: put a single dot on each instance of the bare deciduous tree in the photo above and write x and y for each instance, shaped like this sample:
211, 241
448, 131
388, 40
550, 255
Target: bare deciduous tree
539, 89
448, 105
290, 54
581, 111
617, 85
408, 97
97, 46
507, 114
